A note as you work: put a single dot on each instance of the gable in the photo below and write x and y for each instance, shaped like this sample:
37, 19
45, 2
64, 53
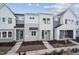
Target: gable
5, 11
69, 14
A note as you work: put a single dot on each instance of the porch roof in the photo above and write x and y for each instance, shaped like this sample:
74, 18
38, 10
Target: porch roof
19, 26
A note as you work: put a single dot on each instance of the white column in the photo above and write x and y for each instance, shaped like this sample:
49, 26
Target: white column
14, 34
51, 34
74, 34
40, 34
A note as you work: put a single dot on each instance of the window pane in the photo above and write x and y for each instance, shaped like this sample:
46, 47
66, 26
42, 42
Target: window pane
44, 20
10, 20
4, 34
33, 33
48, 20
32, 18
65, 21
3, 19
9, 34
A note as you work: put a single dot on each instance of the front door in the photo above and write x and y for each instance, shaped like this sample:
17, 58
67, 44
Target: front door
46, 34
19, 34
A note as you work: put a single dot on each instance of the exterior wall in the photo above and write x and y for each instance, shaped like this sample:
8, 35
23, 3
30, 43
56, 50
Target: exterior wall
43, 26
33, 21
7, 38
5, 12
5, 26
71, 25
28, 36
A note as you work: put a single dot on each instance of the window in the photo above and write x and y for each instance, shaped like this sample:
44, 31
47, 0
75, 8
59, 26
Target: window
4, 34
32, 18
65, 21
44, 20
3, 19
33, 33
48, 20
10, 20
77, 22
9, 34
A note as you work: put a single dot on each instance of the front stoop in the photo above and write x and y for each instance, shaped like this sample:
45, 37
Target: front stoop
14, 49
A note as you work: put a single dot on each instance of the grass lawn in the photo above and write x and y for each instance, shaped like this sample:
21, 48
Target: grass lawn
57, 44
31, 46
5, 47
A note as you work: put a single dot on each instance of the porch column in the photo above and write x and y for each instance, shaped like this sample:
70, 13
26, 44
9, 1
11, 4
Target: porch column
14, 34
51, 34
74, 34
40, 34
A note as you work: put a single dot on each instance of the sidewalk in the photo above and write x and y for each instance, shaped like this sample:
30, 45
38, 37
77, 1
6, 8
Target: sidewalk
14, 49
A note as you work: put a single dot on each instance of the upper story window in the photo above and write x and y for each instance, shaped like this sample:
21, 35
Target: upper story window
3, 19
65, 21
48, 20
44, 20
10, 20
77, 22
32, 18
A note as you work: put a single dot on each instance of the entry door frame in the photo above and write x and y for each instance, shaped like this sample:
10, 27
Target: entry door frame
18, 34
46, 34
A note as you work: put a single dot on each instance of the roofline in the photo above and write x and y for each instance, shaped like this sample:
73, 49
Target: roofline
71, 11
8, 8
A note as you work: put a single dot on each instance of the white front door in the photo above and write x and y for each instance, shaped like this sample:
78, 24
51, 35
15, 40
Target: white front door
19, 34
46, 34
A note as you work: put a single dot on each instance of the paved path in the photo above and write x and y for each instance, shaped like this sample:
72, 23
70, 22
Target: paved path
14, 49
48, 45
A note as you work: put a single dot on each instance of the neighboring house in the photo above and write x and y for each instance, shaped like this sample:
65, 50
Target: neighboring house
67, 25
7, 23
37, 26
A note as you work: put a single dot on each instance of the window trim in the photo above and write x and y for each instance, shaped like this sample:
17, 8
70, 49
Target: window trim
10, 20
3, 19
9, 34
4, 34
48, 20
33, 33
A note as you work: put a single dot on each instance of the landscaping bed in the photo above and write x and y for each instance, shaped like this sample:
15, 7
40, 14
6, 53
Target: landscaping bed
5, 47
31, 46
76, 40
62, 43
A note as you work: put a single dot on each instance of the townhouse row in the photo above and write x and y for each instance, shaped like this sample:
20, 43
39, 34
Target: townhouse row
37, 26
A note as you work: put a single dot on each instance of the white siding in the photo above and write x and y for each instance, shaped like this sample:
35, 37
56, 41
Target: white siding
5, 12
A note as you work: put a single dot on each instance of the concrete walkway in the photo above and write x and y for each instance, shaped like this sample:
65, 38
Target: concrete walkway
14, 49
48, 45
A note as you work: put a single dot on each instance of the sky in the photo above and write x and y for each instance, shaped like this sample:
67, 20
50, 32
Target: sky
53, 8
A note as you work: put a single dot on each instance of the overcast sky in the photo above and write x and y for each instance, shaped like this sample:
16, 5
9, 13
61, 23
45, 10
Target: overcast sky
53, 8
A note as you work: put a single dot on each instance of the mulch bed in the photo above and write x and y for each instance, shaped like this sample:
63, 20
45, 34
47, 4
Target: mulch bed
62, 43
31, 46
5, 47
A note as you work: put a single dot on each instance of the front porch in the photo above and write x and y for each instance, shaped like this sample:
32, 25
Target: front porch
66, 34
